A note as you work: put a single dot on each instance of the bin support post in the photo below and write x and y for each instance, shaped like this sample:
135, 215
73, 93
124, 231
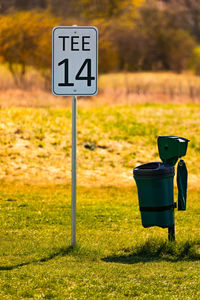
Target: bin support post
171, 233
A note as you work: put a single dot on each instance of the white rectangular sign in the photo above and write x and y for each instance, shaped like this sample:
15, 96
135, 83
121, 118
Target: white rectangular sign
75, 61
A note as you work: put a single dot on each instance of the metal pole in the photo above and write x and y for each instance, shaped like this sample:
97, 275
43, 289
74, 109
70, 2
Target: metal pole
73, 189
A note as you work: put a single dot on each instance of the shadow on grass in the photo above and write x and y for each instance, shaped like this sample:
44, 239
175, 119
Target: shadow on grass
60, 252
155, 250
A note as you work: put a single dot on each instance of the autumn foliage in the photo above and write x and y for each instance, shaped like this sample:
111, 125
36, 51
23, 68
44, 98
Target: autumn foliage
134, 35
25, 40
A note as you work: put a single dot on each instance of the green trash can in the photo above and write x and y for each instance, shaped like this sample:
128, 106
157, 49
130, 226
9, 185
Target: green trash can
156, 194
155, 184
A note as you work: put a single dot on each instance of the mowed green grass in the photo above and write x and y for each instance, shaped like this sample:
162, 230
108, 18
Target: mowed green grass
115, 257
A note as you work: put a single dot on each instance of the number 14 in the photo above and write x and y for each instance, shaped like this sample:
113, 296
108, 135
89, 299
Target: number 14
88, 78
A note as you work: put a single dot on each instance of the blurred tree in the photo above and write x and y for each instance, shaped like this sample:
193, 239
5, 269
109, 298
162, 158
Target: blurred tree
108, 52
133, 34
6, 5
106, 9
130, 46
101, 8
169, 46
24, 43
189, 10
30, 4
65, 8
87, 9
11, 5
195, 60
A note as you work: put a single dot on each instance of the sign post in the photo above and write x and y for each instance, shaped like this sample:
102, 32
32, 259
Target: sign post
74, 73
73, 163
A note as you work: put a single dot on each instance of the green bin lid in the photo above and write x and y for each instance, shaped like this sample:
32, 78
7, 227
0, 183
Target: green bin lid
171, 148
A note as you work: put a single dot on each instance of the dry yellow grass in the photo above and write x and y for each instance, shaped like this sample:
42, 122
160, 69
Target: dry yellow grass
35, 143
114, 89
30, 98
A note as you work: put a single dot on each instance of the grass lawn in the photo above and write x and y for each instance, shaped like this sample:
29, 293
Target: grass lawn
115, 258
